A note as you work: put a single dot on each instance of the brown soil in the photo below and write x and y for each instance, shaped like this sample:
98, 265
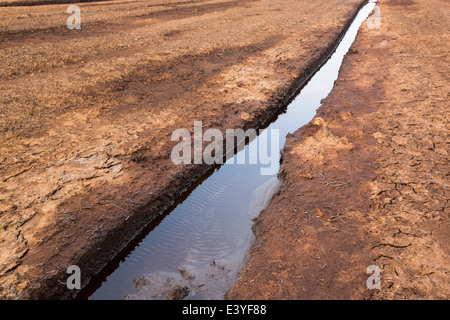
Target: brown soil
366, 182
86, 115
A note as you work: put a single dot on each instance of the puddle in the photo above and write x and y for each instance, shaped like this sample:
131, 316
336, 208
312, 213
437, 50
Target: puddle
203, 242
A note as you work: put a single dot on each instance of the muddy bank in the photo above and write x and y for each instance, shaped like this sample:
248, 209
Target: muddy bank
366, 182
86, 116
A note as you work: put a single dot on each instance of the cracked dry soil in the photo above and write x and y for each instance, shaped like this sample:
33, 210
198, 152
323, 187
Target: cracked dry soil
367, 181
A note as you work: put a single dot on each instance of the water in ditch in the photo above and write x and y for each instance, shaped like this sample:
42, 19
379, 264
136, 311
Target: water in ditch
203, 242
